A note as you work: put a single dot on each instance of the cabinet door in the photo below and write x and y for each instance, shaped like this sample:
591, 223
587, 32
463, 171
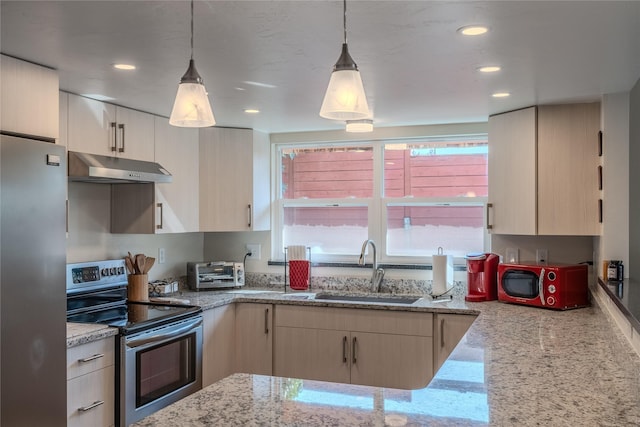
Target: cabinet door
254, 338
29, 98
176, 149
218, 349
226, 179
449, 329
90, 399
568, 169
315, 354
92, 126
512, 172
386, 360
135, 136
63, 122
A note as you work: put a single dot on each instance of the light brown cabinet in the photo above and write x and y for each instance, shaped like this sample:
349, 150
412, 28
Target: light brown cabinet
97, 127
28, 98
368, 347
254, 338
90, 384
543, 171
234, 180
218, 347
448, 330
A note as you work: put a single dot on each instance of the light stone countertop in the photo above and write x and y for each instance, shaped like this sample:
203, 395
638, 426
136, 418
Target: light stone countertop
82, 333
516, 366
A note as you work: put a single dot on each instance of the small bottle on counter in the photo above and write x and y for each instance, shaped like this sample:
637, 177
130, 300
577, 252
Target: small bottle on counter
615, 271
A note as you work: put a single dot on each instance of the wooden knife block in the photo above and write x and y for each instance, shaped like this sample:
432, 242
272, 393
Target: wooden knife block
138, 289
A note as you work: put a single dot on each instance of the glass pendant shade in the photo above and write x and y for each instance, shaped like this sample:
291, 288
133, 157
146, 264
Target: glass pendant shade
365, 125
345, 98
191, 107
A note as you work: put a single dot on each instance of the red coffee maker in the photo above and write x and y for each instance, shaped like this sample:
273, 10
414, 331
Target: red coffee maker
482, 277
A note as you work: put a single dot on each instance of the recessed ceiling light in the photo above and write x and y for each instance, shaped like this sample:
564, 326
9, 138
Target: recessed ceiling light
259, 84
501, 94
489, 69
251, 110
124, 66
473, 30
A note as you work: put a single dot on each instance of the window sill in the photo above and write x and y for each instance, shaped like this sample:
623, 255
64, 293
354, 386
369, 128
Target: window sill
369, 266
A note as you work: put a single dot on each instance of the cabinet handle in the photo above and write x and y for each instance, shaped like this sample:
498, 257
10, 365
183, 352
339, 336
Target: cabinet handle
599, 177
354, 350
90, 358
266, 321
489, 207
114, 146
93, 405
159, 226
441, 333
250, 214
344, 349
600, 211
600, 143
121, 127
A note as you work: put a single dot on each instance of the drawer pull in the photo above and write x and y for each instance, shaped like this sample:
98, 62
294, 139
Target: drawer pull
355, 342
90, 407
90, 358
344, 349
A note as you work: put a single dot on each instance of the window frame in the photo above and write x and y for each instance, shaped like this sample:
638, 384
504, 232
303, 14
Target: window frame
377, 204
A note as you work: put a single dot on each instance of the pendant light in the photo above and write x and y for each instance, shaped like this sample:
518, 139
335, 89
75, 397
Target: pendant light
191, 107
345, 98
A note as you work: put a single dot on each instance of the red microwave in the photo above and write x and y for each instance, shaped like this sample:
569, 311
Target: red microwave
559, 286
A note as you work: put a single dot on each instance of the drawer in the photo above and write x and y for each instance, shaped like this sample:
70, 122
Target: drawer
89, 357
359, 320
90, 399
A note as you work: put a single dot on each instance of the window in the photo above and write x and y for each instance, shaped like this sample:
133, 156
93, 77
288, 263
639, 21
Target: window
409, 197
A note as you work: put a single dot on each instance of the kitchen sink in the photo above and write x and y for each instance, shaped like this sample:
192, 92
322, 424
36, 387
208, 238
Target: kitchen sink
368, 298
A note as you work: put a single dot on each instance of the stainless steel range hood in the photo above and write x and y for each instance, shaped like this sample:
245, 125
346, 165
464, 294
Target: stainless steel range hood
85, 167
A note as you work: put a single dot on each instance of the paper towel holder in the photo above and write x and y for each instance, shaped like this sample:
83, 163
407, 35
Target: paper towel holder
448, 275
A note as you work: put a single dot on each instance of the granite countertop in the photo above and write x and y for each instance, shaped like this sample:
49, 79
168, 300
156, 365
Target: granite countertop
626, 295
82, 333
516, 365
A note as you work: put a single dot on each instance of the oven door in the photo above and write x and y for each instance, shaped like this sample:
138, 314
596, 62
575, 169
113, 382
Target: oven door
522, 286
158, 367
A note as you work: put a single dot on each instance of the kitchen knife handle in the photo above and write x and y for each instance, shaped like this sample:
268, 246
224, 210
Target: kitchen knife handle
344, 349
90, 358
250, 214
121, 127
266, 321
159, 226
489, 208
93, 405
114, 146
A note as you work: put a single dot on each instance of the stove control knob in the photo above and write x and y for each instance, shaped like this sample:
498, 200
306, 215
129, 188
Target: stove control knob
104, 272
112, 271
120, 270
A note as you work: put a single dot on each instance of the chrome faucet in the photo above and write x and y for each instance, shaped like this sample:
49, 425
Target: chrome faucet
378, 273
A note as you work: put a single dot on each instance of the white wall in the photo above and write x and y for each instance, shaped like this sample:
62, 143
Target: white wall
614, 242
634, 177
89, 237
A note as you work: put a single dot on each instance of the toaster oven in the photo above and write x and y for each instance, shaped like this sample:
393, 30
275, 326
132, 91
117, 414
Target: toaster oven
214, 275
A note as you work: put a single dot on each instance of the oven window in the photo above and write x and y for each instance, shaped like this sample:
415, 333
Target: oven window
520, 283
167, 367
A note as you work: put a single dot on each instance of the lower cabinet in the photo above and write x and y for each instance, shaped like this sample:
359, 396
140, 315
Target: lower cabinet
90, 384
448, 331
368, 347
254, 338
218, 347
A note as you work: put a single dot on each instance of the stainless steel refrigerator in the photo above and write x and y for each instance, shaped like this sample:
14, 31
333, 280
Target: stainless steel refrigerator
33, 179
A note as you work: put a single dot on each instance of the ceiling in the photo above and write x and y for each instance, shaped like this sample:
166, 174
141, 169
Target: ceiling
277, 56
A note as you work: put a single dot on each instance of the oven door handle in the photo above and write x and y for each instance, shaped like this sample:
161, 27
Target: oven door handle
541, 287
165, 335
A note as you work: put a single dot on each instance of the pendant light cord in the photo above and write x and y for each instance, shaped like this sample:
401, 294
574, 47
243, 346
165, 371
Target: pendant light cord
192, 29
345, 20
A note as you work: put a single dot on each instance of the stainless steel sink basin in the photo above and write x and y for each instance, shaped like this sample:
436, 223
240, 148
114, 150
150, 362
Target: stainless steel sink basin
367, 298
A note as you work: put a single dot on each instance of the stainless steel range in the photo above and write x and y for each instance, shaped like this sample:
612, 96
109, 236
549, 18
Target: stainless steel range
159, 346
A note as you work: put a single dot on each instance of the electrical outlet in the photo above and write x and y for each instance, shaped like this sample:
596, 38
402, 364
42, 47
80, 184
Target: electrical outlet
542, 257
161, 256
255, 251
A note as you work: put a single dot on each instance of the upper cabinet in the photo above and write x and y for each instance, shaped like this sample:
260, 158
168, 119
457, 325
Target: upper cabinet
29, 98
234, 180
99, 128
543, 171
176, 149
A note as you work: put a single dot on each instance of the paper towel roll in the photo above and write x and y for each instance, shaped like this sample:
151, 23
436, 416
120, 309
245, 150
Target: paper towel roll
442, 278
